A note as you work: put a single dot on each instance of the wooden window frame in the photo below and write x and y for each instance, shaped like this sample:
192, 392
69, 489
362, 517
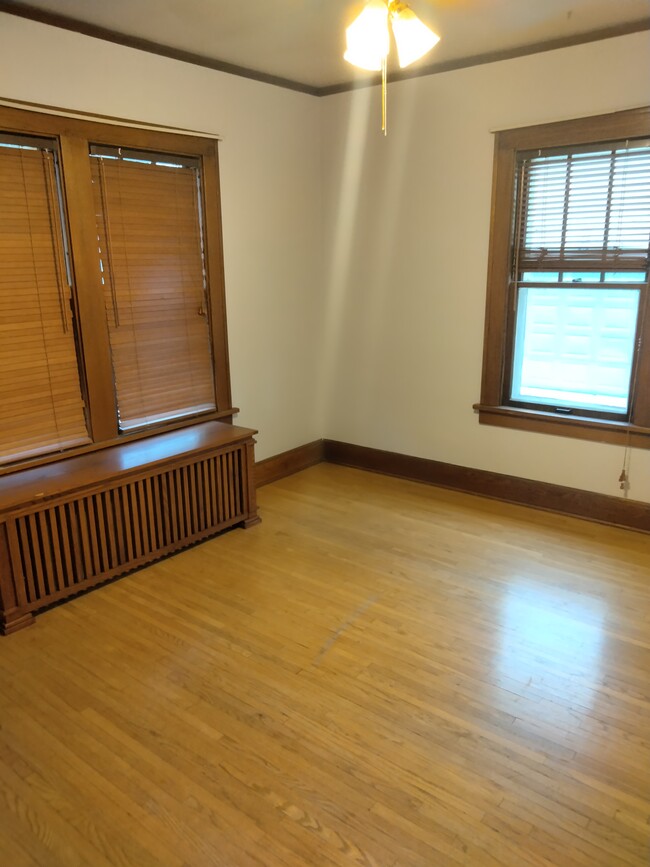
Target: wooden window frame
499, 319
74, 137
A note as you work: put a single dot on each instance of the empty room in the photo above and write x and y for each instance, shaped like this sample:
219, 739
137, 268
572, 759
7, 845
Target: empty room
324, 433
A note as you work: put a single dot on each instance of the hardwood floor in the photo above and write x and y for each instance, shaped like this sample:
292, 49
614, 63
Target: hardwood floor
381, 673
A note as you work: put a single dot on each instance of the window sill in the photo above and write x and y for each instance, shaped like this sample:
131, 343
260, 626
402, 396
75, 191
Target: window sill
126, 437
577, 427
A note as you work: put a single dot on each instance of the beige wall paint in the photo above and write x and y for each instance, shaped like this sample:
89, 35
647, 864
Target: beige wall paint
270, 180
407, 218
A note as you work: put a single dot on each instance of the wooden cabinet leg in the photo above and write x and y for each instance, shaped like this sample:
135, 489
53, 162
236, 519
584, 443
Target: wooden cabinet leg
251, 492
12, 621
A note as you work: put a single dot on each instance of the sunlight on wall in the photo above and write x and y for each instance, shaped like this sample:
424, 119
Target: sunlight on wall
341, 254
368, 245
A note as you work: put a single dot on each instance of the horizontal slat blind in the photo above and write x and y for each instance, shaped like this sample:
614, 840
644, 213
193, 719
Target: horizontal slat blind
585, 211
150, 249
41, 405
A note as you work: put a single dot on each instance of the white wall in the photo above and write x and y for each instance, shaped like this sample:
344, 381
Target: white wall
355, 265
407, 218
270, 180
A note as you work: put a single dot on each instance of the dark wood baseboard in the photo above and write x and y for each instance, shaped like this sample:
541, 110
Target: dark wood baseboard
615, 511
604, 509
287, 463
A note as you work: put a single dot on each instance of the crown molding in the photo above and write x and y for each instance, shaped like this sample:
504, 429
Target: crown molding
65, 22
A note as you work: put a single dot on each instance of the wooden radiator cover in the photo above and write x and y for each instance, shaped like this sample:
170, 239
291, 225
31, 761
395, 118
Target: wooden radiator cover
70, 525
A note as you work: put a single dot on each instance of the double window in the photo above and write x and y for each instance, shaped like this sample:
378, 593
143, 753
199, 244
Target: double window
111, 293
567, 336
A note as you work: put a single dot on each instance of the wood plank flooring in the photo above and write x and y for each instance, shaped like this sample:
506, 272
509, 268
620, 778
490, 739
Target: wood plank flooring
382, 673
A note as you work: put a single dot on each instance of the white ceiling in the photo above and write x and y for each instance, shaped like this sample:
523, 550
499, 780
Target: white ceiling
303, 40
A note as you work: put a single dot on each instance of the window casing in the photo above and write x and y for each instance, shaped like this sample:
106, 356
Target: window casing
119, 221
567, 337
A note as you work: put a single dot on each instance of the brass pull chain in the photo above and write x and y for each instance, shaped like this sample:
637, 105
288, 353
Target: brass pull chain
107, 233
56, 238
203, 305
383, 94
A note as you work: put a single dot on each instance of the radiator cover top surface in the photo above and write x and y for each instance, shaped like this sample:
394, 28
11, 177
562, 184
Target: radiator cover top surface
60, 546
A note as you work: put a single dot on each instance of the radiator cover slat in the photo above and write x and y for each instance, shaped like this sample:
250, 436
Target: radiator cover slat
60, 548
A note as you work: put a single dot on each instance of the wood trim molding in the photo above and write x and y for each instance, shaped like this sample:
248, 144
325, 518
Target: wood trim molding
285, 464
65, 22
601, 508
500, 325
495, 56
615, 511
618, 433
74, 137
114, 120
66, 529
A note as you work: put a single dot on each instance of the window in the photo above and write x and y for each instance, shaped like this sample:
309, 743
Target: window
112, 314
153, 276
567, 341
41, 404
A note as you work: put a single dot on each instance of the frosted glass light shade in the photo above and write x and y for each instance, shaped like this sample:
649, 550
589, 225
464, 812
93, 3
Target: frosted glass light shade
412, 37
367, 37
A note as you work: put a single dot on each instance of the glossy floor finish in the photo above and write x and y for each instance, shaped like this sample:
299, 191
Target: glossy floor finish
382, 673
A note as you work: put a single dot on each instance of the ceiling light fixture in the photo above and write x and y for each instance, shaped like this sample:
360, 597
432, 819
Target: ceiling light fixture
368, 40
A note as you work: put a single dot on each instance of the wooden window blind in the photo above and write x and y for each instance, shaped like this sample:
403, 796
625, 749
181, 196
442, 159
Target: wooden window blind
112, 298
585, 208
153, 273
41, 404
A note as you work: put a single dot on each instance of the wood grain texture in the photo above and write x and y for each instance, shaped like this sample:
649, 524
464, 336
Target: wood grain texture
95, 470
91, 315
615, 433
75, 138
69, 527
616, 511
211, 192
383, 673
289, 462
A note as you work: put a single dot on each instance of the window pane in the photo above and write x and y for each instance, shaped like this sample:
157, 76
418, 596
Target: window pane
625, 277
151, 259
540, 277
574, 347
581, 276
